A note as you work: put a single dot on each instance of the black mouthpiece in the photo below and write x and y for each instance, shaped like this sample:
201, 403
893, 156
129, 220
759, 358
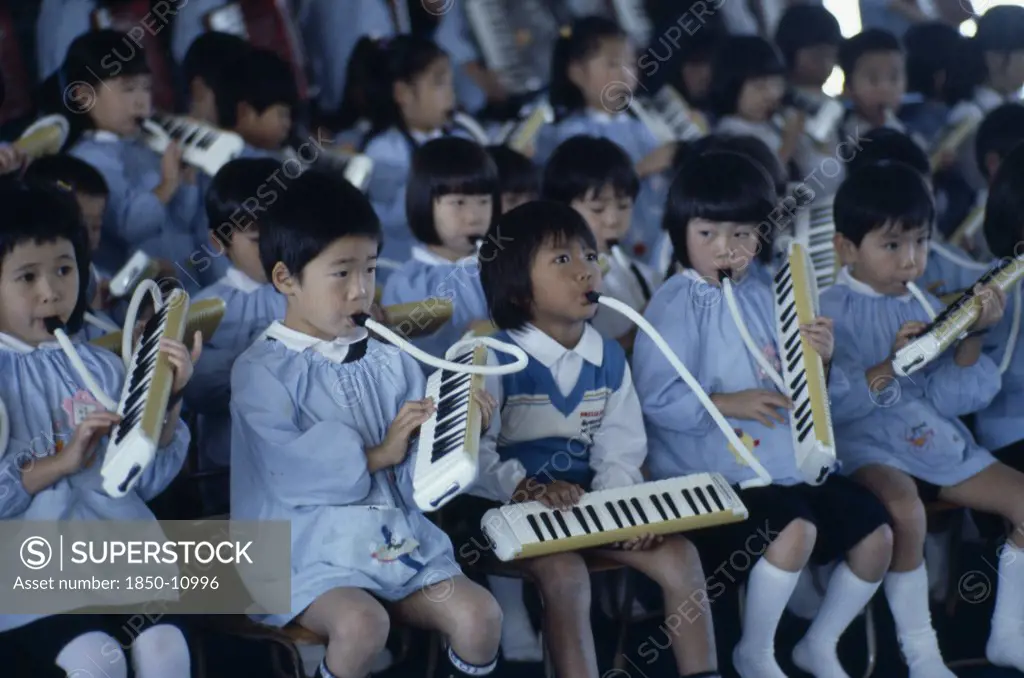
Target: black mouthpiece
724, 273
592, 297
360, 319
612, 243
53, 324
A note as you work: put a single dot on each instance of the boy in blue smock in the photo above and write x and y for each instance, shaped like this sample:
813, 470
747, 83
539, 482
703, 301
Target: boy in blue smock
321, 418
52, 453
901, 436
250, 304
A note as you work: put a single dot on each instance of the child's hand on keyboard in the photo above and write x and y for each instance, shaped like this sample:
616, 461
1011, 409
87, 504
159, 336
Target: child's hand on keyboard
644, 542
182, 361
556, 494
819, 334
395, 446
79, 452
487, 405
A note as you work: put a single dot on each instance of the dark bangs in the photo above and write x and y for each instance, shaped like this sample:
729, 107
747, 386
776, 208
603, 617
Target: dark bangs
1004, 225
720, 186
447, 166
582, 164
741, 58
883, 195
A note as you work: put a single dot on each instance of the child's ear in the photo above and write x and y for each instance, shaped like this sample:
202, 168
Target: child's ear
244, 113
402, 94
845, 249
576, 73
282, 279
218, 245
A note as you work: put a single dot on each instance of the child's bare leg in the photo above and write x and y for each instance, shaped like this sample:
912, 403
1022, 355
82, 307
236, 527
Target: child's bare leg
466, 614
769, 586
564, 584
356, 627
906, 584
675, 566
998, 489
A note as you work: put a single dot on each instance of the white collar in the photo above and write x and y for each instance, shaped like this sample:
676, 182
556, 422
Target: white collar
12, 343
547, 351
335, 351
605, 117
236, 279
988, 99
103, 136
424, 137
845, 278
425, 256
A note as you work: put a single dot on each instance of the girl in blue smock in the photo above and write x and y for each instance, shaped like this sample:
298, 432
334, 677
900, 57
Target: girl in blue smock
570, 423
451, 201
154, 201
716, 203
591, 88
322, 418
56, 434
412, 99
902, 437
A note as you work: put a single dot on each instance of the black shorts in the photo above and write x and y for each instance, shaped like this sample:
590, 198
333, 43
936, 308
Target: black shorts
843, 512
32, 649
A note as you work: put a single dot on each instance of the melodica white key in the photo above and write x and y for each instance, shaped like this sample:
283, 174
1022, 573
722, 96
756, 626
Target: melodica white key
202, 146
530, 529
144, 399
815, 228
803, 372
446, 454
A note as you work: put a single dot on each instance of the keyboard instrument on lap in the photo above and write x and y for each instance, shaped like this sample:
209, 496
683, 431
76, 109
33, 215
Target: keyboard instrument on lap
530, 529
446, 462
144, 398
803, 373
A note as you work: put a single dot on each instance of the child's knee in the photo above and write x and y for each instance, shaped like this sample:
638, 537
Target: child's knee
360, 626
677, 560
91, 650
798, 536
478, 622
563, 577
879, 543
158, 648
908, 516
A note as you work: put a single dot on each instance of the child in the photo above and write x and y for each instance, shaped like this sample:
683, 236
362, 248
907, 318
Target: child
747, 86
517, 176
315, 393
250, 302
716, 203
91, 193
596, 178
933, 49
808, 37
686, 68
255, 98
204, 66
575, 395
153, 201
589, 71
411, 99
452, 199
949, 268
999, 426
990, 73
912, 448
874, 81
51, 465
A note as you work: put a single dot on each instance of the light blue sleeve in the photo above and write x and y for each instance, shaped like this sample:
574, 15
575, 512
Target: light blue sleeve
14, 498
666, 400
166, 464
133, 214
391, 156
415, 389
323, 465
955, 390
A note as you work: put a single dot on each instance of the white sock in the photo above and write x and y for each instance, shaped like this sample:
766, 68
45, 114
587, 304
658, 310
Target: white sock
1004, 644
936, 554
768, 591
907, 593
93, 653
161, 652
845, 597
519, 640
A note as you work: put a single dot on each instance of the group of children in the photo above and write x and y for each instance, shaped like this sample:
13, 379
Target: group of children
316, 419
